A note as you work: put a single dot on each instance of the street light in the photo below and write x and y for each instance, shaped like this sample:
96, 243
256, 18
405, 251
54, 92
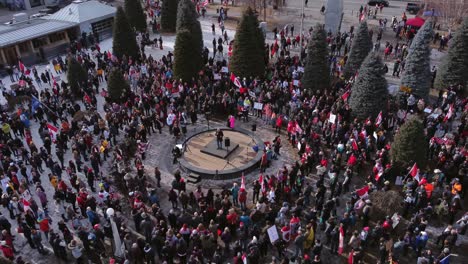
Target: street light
118, 252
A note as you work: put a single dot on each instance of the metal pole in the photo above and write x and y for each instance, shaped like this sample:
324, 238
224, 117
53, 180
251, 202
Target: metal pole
302, 25
264, 10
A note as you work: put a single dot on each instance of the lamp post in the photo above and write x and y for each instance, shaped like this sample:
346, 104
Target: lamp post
115, 232
301, 39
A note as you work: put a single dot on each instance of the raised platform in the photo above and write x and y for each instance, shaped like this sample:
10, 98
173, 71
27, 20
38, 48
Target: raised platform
212, 149
213, 164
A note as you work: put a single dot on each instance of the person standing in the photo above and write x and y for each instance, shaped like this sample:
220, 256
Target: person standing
219, 138
157, 176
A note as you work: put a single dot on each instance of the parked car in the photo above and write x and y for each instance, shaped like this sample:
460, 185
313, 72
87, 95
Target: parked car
413, 8
378, 2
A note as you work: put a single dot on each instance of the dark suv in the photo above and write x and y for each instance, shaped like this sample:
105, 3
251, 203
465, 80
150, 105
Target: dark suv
378, 2
413, 8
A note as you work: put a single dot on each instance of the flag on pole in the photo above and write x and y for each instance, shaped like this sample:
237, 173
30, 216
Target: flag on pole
341, 241
346, 95
414, 172
52, 131
21, 66
262, 183
378, 120
363, 192
354, 144
242, 182
449, 113
235, 80
445, 260
34, 104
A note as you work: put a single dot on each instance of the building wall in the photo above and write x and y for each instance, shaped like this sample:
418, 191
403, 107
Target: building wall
36, 50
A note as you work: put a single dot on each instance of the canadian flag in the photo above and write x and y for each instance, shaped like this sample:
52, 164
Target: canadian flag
355, 145
52, 131
26, 205
262, 184
363, 192
346, 95
230, 50
341, 241
414, 172
286, 233
205, 3
378, 120
21, 66
235, 80
449, 113
298, 129
242, 182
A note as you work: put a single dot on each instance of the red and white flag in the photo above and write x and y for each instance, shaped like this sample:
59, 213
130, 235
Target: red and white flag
363, 192
262, 183
21, 66
298, 129
449, 113
341, 241
242, 182
235, 80
355, 145
346, 95
414, 172
52, 131
205, 3
378, 120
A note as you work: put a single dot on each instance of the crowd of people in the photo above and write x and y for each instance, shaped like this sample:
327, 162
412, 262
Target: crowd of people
321, 205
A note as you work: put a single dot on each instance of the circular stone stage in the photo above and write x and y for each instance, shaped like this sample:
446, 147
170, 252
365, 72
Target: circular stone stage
200, 154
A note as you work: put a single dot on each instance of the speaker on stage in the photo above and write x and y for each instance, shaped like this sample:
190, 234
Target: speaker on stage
227, 142
254, 127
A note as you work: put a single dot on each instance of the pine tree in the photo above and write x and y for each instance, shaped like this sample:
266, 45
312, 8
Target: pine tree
76, 76
248, 57
317, 70
124, 40
360, 48
185, 65
410, 144
117, 86
169, 15
136, 16
369, 93
417, 73
187, 18
454, 67
188, 48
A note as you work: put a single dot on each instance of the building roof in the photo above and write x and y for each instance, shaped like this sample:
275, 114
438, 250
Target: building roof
16, 33
83, 11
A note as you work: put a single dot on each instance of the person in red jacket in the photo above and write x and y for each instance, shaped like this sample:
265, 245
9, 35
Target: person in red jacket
7, 251
279, 123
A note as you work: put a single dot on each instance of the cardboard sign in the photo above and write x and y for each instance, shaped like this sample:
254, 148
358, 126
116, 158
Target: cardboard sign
252, 94
300, 69
428, 110
216, 76
225, 69
273, 234
296, 82
258, 106
332, 118
399, 181
395, 219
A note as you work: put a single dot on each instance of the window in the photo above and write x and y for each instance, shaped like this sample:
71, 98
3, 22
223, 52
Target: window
24, 47
39, 42
55, 37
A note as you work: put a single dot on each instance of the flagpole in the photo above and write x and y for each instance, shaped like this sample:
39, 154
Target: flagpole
53, 112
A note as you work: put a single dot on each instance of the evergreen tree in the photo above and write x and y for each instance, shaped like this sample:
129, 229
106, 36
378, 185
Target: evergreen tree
185, 64
369, 93
136, 16
248, 58
360, 48
76, 76
124, 40
188, 48
187, 18
417, 73
454, 67
169, 15
117, 86
317, 70
410, 144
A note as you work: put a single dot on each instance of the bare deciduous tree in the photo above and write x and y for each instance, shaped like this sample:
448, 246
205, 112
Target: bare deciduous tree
450, 13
